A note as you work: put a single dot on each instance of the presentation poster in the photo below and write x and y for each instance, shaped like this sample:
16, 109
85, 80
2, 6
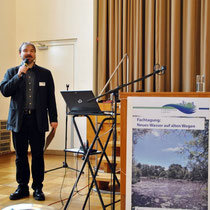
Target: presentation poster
167, 153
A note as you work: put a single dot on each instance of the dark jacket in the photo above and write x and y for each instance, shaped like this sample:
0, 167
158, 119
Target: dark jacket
45, 103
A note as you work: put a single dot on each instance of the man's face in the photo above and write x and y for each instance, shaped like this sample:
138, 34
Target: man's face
27, 51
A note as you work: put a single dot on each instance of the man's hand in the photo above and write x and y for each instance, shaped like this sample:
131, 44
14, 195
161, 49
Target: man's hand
22, 70
54, 125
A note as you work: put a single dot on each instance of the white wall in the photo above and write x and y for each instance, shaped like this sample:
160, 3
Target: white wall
37, 20
60, 19
7, 49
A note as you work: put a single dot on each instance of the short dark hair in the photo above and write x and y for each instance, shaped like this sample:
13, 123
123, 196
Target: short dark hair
26, 43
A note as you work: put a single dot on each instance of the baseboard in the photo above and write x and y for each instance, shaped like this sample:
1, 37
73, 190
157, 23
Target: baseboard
57, 152
62, 153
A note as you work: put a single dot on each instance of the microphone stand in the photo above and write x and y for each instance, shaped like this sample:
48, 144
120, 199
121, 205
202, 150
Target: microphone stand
159, 71
115, 92
65, 164
114, 73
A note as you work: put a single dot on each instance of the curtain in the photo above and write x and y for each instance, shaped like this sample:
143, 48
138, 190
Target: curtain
171, 33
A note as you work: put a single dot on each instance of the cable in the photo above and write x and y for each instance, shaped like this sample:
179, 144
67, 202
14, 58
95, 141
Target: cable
77, 191
62, 184
76, 177
105, 132
67, 198
62, 188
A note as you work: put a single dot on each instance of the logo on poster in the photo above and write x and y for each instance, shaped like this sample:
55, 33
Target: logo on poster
187, 108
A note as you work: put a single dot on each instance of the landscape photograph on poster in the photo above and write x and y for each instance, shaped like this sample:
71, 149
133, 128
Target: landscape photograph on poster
170, 168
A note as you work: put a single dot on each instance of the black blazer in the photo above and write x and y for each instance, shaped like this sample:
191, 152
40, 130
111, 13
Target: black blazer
45, 103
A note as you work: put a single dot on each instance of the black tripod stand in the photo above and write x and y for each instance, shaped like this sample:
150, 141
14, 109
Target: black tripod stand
65, 165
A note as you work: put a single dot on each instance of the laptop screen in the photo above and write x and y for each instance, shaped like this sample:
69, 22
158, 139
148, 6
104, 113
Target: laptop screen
77, 102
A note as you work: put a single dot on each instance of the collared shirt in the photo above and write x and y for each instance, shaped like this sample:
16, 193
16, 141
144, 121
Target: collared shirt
30, 89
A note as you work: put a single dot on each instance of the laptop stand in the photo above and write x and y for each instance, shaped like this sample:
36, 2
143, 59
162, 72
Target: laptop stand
87, 153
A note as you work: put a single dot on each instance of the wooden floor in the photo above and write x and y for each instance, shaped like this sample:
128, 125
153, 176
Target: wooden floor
57, 185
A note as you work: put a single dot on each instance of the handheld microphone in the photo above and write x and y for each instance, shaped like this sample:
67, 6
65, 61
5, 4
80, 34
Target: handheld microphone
26, 62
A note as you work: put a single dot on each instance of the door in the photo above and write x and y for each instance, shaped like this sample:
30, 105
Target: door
59, 59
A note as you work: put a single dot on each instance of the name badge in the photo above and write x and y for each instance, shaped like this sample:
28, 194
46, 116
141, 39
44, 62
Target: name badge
42, 84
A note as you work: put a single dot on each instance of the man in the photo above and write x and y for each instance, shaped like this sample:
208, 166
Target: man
31, 89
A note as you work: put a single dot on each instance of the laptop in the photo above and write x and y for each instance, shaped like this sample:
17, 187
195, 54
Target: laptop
78, 102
